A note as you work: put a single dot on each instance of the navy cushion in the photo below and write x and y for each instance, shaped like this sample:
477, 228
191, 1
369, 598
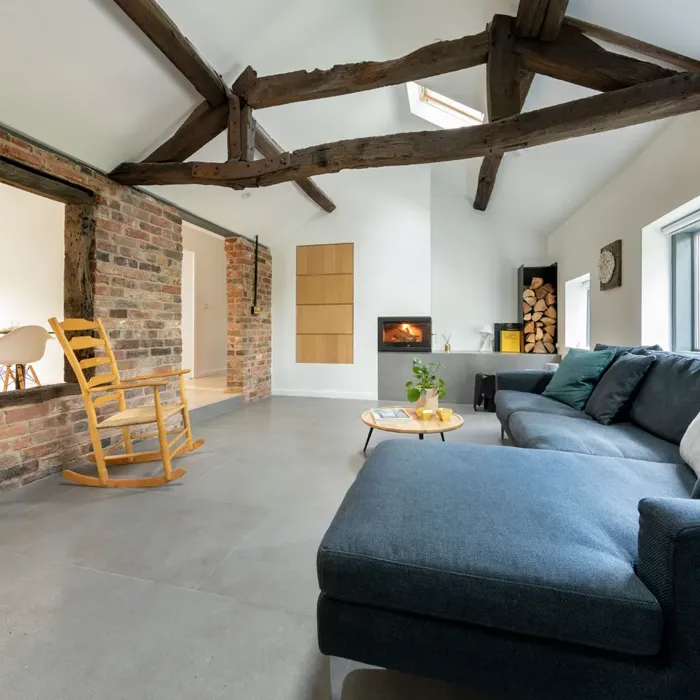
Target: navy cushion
669, 398
534, 542
611, 399
508, 402
631, 349
578, 373
543, 432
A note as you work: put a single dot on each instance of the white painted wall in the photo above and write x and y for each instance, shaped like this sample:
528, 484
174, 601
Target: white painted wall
209, 299
31, 282
474, 256
386, 214
662, 178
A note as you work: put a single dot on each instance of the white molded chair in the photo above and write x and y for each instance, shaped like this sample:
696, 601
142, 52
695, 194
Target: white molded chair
22, 346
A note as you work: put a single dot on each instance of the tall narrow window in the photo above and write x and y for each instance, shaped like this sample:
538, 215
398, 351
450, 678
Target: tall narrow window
696, 295
577, 310
686, 290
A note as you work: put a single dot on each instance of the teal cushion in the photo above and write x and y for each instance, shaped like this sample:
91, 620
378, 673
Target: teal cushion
578, 375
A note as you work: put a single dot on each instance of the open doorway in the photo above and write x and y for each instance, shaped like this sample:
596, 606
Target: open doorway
204, 315
188, 334
31, 284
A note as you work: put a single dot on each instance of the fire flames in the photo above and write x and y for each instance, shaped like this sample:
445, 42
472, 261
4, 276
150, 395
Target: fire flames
403, 333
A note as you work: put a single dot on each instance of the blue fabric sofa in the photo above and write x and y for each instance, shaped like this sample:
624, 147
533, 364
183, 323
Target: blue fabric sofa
567, 568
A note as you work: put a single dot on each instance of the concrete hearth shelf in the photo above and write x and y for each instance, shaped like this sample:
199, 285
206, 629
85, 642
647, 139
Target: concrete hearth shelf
460, 367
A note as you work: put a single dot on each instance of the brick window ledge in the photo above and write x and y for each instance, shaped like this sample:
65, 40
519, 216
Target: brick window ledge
38, 394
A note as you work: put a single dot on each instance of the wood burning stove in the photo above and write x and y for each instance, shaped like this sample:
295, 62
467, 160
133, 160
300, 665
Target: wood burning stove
405, 334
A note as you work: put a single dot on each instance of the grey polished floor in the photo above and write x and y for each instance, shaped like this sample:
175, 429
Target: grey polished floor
203, 589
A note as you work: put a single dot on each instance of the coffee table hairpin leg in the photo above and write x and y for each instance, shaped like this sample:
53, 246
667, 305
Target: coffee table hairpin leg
421, 436
369, 435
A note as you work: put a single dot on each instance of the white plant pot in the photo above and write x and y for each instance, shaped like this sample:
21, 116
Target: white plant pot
430, 400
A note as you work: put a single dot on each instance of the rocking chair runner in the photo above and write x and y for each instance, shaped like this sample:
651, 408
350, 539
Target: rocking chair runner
94, 396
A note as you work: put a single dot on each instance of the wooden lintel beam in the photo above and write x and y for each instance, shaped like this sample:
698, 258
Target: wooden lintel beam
345, 79
641, 47
577, 59
669, 97
269, 148
25, 177
148, 16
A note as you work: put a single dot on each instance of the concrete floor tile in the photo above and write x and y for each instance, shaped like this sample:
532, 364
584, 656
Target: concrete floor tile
75, 634
154, 536
98, 587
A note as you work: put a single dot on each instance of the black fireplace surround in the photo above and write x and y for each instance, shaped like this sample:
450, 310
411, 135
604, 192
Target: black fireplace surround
404, 334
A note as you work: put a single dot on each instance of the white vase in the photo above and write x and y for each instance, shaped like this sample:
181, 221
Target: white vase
430, 400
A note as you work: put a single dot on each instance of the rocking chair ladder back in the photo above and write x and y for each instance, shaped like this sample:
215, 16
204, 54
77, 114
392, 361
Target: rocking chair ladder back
104, 388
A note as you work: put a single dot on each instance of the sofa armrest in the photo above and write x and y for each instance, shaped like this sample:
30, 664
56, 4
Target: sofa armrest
669, 561
533, 381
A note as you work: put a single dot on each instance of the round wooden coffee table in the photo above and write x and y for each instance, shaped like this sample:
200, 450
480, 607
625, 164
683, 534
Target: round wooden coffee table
414, 427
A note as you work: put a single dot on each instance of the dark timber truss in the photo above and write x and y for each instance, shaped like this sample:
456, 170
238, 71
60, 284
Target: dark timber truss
540, 39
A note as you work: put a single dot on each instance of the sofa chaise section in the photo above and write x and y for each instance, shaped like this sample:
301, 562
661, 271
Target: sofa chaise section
443, 558
490, 536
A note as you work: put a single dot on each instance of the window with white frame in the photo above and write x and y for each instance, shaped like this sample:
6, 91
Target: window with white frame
686, 282
577, 312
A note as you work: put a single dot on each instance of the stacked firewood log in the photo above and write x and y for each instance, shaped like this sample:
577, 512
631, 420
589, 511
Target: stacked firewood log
540, 317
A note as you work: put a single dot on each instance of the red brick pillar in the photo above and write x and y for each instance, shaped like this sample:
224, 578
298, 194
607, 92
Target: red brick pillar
249, 365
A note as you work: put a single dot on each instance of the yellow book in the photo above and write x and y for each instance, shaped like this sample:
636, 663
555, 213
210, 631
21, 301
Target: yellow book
511, 341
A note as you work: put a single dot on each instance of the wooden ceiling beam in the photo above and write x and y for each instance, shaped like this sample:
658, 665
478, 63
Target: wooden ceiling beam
148, 16
505, 95
269, 148
641, 47
206, 123
639, 104
553, 19
577, 59
530, 17
535, 18
346, 79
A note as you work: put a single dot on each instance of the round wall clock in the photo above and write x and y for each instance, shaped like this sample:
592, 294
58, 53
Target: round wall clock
610, 266
606, 266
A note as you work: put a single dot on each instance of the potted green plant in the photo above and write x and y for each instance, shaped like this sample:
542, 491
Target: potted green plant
426, 389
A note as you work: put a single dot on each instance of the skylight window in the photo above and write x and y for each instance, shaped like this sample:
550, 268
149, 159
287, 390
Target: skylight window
440, 110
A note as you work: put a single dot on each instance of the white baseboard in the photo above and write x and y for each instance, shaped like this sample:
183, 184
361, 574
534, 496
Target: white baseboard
325, 394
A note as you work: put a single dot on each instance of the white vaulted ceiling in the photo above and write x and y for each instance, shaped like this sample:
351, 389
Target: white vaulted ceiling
80, 77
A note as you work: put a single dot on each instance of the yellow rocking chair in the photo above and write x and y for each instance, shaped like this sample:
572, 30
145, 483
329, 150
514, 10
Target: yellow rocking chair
94, 396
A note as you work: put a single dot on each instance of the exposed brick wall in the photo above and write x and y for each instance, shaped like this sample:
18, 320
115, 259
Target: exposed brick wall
249, 367
136, 275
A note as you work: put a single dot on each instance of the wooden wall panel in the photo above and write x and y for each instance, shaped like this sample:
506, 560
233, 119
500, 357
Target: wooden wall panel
331, 289
324, 318
334, 349
325, 259
325, 303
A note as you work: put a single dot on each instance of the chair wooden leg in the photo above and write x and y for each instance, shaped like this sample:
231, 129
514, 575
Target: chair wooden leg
31, 371
7, 377
97, 444
20, 377
128, 446
185, 413
163, 437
